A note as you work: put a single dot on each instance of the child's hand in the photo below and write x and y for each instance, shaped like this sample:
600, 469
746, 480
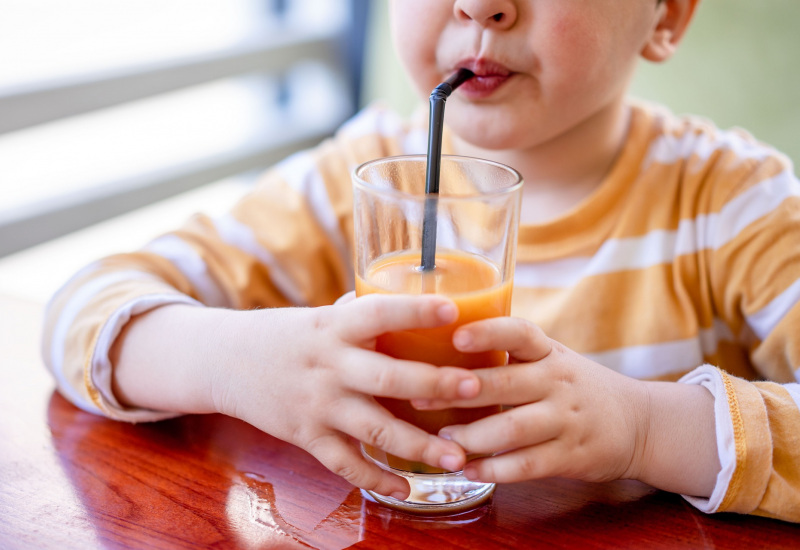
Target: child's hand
307, 376
575, 418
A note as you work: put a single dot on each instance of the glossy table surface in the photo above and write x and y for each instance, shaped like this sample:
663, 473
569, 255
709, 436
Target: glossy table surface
69, 479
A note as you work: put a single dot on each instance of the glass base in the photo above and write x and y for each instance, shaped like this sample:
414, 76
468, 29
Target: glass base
433, 494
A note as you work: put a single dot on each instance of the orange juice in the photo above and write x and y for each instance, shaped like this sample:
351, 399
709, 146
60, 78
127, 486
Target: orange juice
476, 287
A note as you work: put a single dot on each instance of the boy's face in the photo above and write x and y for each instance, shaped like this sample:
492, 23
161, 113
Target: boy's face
543, 66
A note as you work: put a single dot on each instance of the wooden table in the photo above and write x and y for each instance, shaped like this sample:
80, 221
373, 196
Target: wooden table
69, 479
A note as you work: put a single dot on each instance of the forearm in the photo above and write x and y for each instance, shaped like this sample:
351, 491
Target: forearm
165, 359
679, 450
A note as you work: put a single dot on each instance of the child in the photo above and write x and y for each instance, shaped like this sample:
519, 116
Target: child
652, 247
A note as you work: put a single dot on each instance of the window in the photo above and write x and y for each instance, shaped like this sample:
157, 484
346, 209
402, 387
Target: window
109, 106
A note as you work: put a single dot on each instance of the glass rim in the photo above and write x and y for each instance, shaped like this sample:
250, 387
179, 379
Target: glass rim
359, 181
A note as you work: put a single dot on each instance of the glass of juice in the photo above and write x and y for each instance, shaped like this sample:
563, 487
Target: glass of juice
474, 217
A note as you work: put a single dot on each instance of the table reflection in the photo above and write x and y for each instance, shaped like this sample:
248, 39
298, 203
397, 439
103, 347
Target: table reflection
213, 481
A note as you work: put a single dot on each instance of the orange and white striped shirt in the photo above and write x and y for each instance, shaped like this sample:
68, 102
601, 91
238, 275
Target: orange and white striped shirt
683, 264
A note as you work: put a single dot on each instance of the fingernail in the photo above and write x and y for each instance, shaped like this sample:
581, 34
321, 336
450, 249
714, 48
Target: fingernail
450, 462
471, 473
446, 435
398, 495
468, 388
421, 403
447, 312
462, 339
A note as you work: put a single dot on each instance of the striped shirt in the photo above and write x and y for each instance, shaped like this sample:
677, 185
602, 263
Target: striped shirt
682, 265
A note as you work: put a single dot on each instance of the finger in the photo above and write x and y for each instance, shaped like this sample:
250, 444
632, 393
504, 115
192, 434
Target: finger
380, 313
519, 427
343, 457
376, 427
374, 373
346, 297
523, 340
538, 462
507, 385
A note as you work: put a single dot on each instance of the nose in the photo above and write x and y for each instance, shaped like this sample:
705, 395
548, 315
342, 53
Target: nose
490, 14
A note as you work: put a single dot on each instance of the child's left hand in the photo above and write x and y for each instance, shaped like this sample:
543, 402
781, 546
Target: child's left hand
575, 418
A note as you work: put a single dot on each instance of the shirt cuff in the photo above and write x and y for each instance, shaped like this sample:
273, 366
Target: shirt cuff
100, 369
711, 379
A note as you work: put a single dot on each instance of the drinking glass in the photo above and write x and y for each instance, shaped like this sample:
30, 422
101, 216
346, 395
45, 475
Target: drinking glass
474, 217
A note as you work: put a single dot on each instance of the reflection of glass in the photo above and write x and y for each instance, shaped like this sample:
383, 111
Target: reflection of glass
256, 518
376, 518
476, 233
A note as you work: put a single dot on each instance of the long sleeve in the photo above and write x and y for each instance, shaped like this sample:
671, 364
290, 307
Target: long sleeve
256, 256
758, 427
287, 243
755, 284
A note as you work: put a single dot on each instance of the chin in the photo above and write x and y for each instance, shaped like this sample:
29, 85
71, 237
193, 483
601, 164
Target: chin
492, 129
493, 139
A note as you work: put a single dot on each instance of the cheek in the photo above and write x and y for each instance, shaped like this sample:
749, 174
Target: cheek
416, 38
574, 48
596, 46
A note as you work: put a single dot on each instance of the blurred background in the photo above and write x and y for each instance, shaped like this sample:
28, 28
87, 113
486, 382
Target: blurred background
118, 119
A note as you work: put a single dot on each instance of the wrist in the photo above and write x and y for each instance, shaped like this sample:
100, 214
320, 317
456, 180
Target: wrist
165, 359
677, 447
639, 407
232, 370
249, 349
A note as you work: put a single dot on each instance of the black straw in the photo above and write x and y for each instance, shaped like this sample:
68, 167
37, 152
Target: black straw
438, 97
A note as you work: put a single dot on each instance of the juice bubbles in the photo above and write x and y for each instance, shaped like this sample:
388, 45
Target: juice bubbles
476, 286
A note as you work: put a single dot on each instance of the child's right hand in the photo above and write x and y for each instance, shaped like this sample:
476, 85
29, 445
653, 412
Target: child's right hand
311, 373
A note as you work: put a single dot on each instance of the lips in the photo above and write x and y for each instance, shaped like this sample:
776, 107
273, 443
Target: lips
489, 76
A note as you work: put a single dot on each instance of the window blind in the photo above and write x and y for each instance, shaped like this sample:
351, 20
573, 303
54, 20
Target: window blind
138, 126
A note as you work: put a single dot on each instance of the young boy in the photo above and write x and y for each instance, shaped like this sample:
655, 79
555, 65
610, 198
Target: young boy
651, 248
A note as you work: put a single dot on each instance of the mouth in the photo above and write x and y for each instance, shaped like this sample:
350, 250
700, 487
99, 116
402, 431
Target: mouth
489, 76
